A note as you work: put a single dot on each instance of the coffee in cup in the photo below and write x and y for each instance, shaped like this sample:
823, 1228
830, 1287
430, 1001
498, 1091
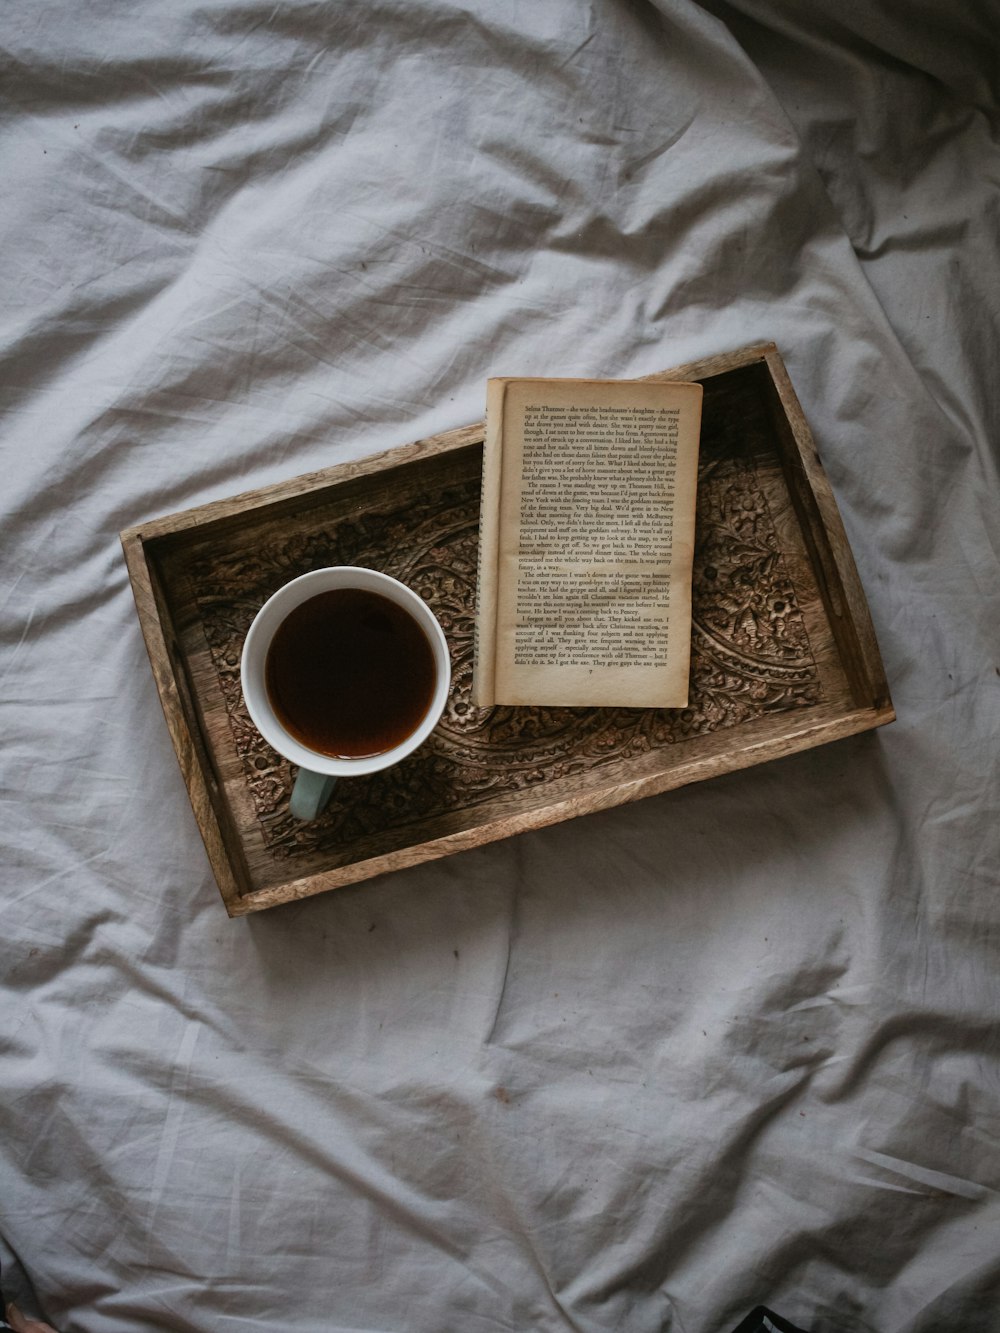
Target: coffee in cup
345, 671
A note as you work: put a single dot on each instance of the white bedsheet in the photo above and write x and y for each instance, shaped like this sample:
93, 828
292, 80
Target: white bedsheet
639, 1071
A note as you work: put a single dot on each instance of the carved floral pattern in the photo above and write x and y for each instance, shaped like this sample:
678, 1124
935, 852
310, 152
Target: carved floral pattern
750, 657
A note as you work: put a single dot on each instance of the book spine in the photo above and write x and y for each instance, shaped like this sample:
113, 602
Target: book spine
484, 670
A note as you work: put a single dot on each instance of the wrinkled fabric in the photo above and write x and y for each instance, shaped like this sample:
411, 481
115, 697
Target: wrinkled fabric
644, 1070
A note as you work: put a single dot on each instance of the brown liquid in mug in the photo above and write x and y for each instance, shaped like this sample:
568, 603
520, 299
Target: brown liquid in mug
350, 674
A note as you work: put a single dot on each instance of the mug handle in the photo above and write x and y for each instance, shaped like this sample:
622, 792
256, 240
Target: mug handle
310, 794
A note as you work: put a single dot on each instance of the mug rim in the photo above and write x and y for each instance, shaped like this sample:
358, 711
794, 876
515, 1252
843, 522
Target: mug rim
272, 614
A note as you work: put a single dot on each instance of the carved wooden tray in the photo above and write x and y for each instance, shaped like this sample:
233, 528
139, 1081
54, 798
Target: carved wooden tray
783, 654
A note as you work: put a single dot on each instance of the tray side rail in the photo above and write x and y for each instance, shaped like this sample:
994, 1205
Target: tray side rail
825, 536
156, 622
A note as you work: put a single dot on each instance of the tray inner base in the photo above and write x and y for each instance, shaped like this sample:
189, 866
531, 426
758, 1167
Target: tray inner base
762, 648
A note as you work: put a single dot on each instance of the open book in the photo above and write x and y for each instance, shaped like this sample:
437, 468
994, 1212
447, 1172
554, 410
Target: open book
587, 543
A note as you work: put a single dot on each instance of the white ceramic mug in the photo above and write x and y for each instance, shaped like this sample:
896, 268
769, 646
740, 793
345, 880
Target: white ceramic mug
319, 772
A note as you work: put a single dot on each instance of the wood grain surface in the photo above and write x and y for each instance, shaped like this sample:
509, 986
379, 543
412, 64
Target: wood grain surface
783, 652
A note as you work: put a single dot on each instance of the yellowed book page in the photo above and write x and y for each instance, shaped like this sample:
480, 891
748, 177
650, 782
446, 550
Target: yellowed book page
595, 543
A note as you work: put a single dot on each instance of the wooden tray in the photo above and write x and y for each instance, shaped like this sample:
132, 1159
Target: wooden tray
783, 654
